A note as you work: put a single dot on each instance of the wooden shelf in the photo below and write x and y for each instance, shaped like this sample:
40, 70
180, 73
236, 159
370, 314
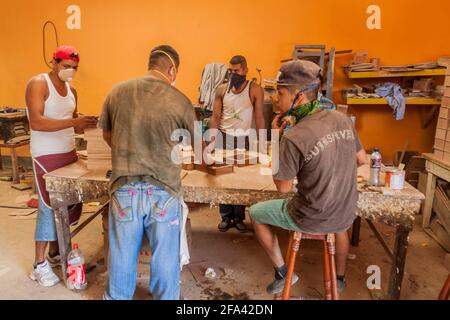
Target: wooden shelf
378, 101
385, 74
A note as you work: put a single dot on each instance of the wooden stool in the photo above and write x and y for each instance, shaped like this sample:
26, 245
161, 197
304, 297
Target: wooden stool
329, 274
445, 292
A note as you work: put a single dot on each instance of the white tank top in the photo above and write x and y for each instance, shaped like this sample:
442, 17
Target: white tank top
55, 107
237, 112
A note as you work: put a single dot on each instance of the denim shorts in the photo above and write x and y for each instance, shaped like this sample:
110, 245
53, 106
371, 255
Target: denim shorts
45, 223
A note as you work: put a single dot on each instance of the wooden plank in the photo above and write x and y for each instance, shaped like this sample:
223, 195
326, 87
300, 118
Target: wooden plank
216, 170
385, 74
429, 196
441, 207
72, 171
432, 160
383, 101
15, 166
438, 232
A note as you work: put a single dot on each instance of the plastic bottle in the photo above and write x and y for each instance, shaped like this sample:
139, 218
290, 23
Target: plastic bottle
76, 270
375, 167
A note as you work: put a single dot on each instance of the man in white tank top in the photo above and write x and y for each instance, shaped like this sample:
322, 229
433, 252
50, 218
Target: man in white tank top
235, 106
51, 107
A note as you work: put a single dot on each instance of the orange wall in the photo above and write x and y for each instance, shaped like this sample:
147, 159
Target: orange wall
116, 37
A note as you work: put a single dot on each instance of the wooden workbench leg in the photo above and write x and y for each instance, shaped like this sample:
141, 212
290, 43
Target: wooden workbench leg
1, 160
429, 197
15, 166
355, 232
105, 224
63, 232
398, 262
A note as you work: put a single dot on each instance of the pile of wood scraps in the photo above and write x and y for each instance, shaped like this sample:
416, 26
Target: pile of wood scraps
98, 151
365, 92
362, 63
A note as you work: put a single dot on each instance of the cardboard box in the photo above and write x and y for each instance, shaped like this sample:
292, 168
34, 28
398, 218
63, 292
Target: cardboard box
446, 102
443, 124
444, 113
441, 134
439, 144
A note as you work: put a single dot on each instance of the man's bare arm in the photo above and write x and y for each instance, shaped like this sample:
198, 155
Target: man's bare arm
361, 157
258, 103
217, 109
35, 100
107, 136
283, 186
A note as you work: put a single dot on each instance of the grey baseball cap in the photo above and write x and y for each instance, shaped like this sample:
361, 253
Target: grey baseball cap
299, 72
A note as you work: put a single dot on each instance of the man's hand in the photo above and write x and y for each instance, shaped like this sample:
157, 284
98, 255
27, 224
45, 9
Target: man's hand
83, 122
277, 125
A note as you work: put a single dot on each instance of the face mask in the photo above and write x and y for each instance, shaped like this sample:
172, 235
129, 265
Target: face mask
67, 74
237, 80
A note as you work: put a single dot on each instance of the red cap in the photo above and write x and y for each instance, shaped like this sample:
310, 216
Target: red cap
75, 246
67, 53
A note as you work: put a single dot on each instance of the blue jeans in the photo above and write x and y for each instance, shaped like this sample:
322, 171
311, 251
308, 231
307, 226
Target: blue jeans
45, 223
134, 209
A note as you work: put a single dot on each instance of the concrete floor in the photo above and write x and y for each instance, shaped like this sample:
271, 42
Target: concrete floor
248, 269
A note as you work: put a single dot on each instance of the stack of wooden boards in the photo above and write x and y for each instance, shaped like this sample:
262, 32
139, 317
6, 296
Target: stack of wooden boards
98, 151
442, 141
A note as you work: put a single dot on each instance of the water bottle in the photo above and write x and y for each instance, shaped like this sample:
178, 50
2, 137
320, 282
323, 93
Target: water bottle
375, 167
76, 270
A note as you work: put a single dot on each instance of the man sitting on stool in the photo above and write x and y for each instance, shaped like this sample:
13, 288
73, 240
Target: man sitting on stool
318, 148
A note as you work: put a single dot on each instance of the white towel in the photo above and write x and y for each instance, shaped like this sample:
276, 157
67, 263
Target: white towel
184, 249
212, 77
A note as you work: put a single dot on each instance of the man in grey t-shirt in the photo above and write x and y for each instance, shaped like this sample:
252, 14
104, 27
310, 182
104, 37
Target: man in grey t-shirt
318, 148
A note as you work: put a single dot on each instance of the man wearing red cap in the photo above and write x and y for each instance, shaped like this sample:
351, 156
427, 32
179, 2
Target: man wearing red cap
51, 107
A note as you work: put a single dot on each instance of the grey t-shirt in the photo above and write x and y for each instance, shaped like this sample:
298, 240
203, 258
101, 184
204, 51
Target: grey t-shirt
321, 152
142, 114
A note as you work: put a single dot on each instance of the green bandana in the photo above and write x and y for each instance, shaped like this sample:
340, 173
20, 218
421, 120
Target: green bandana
305, 110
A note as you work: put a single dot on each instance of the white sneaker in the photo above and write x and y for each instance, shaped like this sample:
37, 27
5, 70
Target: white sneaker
44, 275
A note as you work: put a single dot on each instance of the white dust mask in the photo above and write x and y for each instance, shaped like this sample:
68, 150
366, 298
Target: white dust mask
67, 75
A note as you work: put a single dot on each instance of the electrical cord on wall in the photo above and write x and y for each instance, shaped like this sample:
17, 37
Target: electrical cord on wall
43, 40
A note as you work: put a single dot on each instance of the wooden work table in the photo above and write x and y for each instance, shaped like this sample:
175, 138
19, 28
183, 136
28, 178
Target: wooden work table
246, 186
